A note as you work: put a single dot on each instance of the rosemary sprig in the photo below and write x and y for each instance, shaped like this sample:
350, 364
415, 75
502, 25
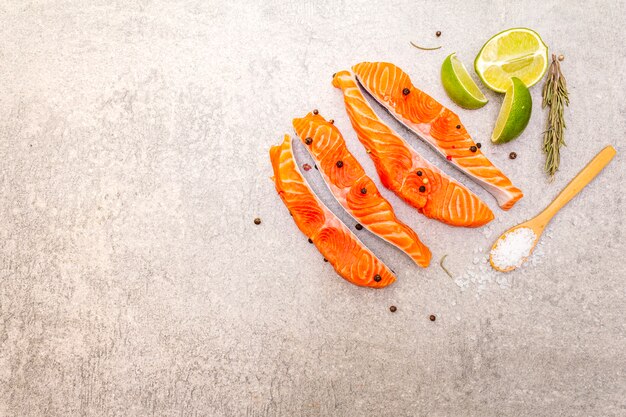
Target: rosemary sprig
555, 96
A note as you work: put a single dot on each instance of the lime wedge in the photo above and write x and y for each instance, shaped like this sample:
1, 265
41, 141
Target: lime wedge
514, 113
517, 52
459, 85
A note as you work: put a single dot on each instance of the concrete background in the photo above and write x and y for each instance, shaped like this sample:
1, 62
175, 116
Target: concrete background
133, 160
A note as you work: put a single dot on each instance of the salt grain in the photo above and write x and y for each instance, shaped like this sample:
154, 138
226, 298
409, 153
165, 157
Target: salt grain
513, 248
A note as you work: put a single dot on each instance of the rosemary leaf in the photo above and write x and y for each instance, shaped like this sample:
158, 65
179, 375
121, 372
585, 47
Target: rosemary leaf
423, 48
443, 267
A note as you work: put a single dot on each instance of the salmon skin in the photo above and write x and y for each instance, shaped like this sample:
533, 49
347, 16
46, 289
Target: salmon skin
353, 189
436, 125
404, 171
346, 253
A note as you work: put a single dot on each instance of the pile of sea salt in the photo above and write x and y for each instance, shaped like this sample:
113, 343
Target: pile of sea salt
513, 248
480, 274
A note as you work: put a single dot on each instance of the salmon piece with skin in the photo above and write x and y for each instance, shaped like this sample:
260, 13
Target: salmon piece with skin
404, 171
438, 126
353, 189
352, 260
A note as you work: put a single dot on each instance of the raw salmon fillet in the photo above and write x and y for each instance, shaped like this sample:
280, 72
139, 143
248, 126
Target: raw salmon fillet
404, 171
345, 252
353, 189
435, 124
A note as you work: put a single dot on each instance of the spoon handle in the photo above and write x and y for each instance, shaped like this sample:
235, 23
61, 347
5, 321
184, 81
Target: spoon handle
579, 182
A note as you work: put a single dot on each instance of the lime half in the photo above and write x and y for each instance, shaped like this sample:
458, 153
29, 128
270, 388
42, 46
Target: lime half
514, 114
459, 85
517, 52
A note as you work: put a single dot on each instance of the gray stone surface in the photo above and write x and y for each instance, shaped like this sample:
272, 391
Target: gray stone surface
133, 159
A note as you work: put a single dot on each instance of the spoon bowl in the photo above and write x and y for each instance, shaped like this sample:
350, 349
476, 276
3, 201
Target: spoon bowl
530, 224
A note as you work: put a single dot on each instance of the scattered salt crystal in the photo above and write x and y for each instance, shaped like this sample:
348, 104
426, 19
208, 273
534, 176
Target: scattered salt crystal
513, 248
503, 281
538, 254
462, 281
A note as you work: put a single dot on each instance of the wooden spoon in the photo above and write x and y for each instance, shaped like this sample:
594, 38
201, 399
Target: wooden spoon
538, 223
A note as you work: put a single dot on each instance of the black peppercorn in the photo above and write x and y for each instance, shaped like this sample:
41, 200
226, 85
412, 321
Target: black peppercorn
310, 240
512, 155
479, 145
393, 309
364, 190
377, 278
473, 148
325, 260
358, 226
419, 173
339, 164
406, 91
432, 317
331, 121
315, 111
257, 221
458, 126
308, 141
422, 188
438, 33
